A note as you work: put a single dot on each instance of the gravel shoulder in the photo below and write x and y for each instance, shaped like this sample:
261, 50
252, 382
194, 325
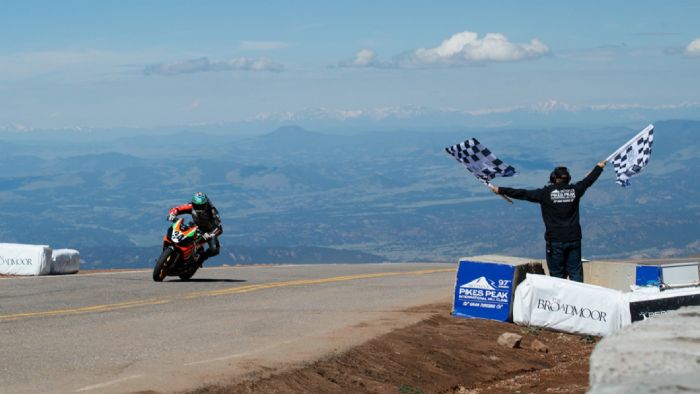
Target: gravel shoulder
440, 354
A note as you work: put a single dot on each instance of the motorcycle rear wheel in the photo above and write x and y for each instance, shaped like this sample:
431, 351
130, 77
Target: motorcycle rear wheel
160, 271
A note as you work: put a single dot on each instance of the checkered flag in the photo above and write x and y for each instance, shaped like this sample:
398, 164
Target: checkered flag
633, 156
480, 161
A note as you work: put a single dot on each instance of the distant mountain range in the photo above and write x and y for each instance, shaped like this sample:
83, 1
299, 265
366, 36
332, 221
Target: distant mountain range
137, 257
294, 195
547, 114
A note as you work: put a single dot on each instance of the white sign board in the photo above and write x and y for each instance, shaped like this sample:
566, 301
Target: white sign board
649, 302
569, 306
19, 259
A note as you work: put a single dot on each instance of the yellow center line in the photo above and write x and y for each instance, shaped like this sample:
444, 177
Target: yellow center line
85, 309
212, 293
302, 282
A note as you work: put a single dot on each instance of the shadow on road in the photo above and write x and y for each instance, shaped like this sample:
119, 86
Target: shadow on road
204, 280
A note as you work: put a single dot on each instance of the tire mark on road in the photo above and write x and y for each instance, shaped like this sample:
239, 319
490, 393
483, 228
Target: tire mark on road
105, 384
237, 355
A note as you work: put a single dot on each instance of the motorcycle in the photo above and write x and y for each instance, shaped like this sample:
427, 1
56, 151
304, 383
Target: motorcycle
182, 247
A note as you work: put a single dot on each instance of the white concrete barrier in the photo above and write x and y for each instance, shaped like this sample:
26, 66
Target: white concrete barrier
618, 275
20, 259
65, 261
660, 355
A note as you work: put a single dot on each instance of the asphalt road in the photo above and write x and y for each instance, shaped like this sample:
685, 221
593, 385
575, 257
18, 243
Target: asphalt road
122, 332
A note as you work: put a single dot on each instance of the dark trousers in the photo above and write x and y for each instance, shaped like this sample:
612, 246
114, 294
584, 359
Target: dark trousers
213, 249
564, 260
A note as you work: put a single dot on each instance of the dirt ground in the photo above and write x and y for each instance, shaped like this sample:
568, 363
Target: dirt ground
441, 354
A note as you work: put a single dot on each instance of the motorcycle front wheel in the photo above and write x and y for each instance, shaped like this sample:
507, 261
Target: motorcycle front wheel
160, 271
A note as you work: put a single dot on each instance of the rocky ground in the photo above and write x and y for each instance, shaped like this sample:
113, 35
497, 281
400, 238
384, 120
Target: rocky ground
441, 354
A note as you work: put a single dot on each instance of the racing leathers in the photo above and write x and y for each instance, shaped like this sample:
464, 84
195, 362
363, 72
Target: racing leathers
207, 221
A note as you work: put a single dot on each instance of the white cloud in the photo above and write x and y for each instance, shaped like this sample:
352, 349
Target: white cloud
363, 59
203, 64
263, 45
467, 48
461, 49
693, 49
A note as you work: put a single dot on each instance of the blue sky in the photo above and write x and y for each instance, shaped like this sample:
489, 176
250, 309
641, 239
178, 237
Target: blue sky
153, 63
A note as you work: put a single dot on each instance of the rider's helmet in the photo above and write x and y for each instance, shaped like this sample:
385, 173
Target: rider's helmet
200, 201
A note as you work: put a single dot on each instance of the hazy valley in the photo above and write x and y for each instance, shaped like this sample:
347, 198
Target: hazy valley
293, 195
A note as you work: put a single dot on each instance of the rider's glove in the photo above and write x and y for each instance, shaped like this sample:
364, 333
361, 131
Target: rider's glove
172, 216
207, 236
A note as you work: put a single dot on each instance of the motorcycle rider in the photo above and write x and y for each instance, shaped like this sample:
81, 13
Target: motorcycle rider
206, 217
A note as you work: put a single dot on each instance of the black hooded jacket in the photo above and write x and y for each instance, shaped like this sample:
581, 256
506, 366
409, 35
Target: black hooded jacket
559, 204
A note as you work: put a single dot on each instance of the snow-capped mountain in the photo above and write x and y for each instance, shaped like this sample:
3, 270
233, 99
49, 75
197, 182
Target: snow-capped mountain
544, 114
478, 283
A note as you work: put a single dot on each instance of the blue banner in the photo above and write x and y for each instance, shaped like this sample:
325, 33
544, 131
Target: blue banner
649, 275
483, 290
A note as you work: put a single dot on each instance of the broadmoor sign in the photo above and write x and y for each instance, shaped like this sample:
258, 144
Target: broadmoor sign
15, 261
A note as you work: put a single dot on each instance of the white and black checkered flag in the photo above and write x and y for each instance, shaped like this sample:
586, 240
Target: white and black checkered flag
633, 156
479, 160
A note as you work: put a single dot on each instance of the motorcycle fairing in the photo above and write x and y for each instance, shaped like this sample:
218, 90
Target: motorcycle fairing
179, 234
